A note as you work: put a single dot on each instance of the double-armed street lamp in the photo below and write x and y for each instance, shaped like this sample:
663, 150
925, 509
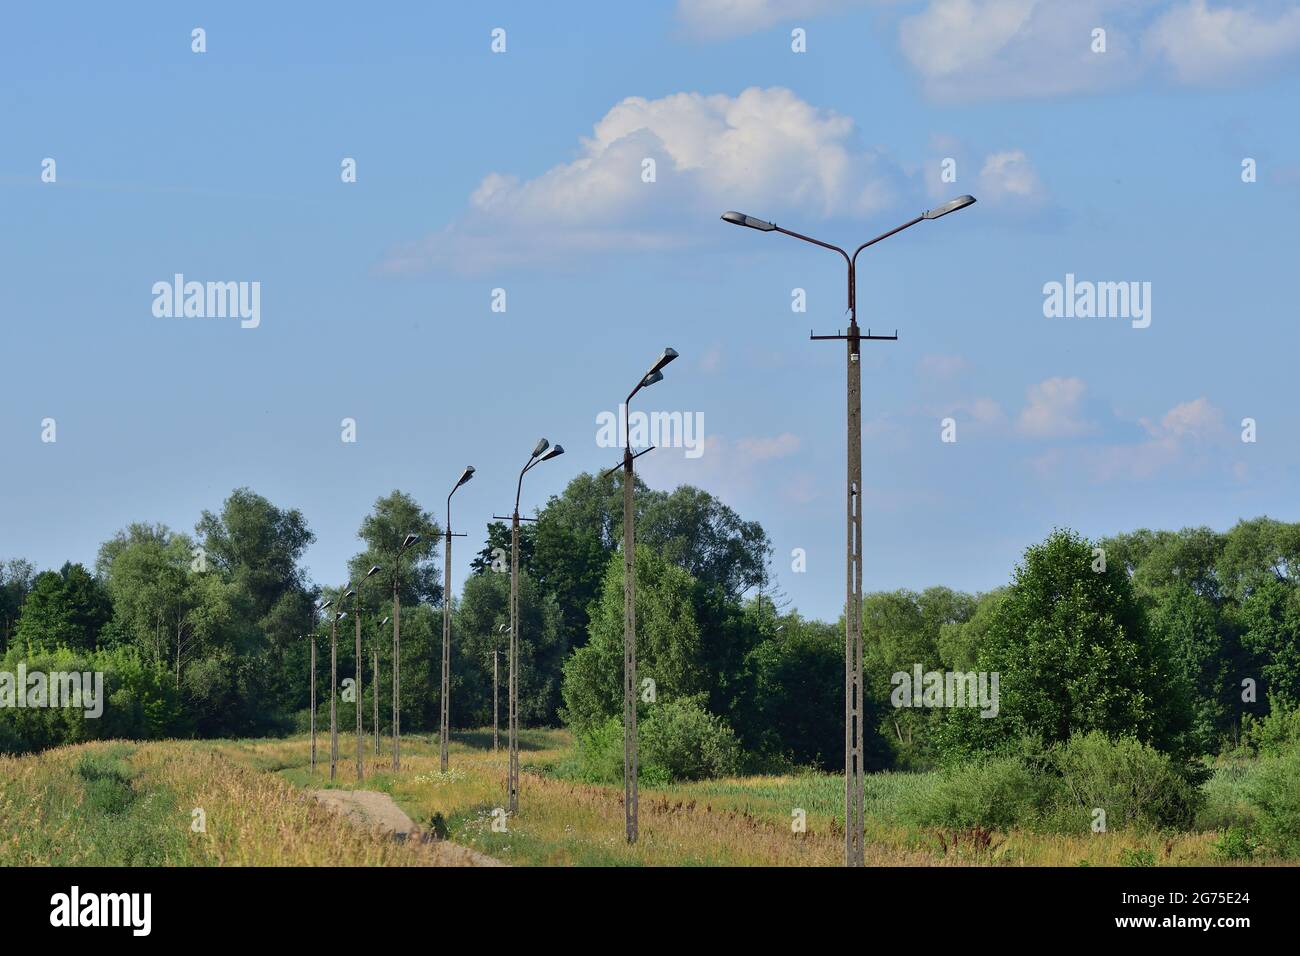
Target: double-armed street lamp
411, 539
543, 451
337, 616
631, 761
853, 711
445, 705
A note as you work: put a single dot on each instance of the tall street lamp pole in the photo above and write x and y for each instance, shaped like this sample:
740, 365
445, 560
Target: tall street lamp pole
445, 705
409, 540
312, 638
334, 679
374, 681
853, 712
496, 693
360, 697
539, 455
631, 758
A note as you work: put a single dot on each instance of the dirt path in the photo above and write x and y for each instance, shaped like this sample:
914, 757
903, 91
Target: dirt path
368, 808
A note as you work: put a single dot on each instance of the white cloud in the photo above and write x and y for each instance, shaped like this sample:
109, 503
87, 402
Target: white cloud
1009, 177
1186, 437
969, 49
942, 367
750, 450
1053, 409
725, 18
728, 467
764, 150
1205, 44
1189, 420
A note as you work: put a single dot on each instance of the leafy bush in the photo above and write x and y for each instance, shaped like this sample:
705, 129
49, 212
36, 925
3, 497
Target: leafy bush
1135, 784
1235, 844
1274, 734
996, 794
600, 752
687, 742
1275, 794
1226, 800
678, 740
1130, 856
138, 702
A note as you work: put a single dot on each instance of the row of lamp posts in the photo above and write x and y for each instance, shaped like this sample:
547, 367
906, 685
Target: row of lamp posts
542, 451
853, 677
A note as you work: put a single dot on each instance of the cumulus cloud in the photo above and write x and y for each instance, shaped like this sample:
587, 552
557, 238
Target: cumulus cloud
729, 467
1054, 409
1205, 44
725, 18
765, 149
1186, 437
968, 49
1196, 420
971, 49
1009, 177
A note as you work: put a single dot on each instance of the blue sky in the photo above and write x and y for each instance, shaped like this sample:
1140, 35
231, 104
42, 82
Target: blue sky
522, 171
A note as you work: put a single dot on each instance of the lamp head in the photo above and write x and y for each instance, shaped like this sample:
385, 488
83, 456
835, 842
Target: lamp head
952, 205
740, 219
664, 358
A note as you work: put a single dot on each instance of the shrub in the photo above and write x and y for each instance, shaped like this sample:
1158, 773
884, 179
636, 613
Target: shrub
686, 742
1235, 844
1274, 734
1226, 801
996, 794
678, 740
1275, 794
138, 702
599, 751
1135, 784
1129, 856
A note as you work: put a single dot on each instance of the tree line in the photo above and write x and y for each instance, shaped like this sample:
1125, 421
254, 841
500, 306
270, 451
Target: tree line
1187, 641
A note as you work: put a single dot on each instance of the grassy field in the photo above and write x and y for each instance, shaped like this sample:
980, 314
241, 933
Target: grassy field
133, 804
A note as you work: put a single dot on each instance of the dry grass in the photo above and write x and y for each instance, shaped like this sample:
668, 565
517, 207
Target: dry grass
49, 814
255, 795
742, 821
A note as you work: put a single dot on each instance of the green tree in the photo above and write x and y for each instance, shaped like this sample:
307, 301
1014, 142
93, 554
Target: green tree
67, 608
1074, 654
256, 547
670, 648
16, 576
481, 613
